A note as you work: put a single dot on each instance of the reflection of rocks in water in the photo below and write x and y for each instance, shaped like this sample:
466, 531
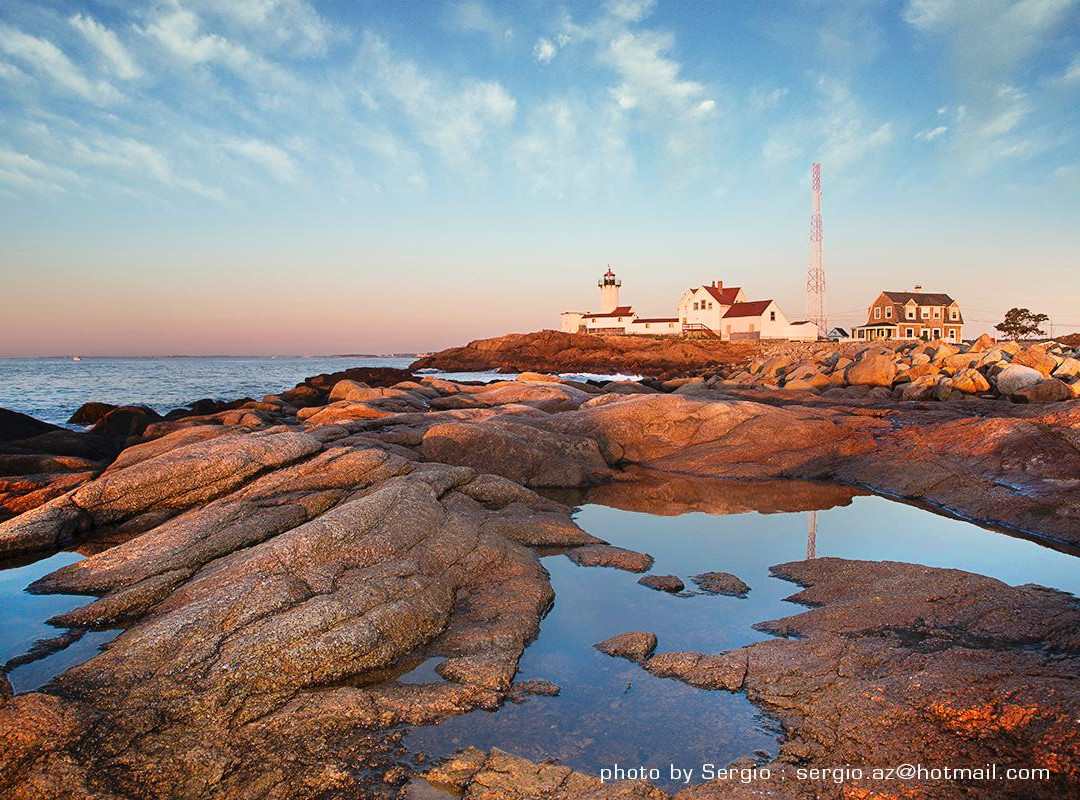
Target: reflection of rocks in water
669, 494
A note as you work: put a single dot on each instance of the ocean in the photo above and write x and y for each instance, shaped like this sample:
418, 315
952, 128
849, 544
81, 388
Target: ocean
51, 389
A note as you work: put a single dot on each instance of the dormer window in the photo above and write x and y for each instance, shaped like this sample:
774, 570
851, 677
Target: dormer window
911, 312
953, 315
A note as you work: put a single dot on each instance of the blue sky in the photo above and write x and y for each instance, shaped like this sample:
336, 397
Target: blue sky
280, 176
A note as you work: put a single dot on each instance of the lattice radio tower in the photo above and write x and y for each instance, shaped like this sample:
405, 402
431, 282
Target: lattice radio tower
815, 273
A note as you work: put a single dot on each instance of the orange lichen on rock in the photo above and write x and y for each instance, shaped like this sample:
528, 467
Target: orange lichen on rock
985, 719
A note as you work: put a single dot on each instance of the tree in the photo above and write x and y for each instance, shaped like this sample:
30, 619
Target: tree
1020, 323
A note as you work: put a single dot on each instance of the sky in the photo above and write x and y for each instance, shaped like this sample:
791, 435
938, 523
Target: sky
285, 177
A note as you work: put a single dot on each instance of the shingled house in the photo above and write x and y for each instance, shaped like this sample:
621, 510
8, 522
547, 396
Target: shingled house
913, 315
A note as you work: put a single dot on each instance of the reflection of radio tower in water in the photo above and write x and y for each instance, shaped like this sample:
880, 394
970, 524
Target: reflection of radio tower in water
811, 537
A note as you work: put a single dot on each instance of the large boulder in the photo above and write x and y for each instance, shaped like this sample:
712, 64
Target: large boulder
982, 344
1017, 377
969, 381
873, 369
125, 422
1068, 368
90, 413
1036, 357
1048, 391
520, 452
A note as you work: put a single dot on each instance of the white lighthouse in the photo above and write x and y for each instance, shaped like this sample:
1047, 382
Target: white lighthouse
609, 291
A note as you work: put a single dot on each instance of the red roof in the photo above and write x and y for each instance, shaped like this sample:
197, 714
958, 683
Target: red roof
725, 296
621, 311
754, 308
609, 273
657, 319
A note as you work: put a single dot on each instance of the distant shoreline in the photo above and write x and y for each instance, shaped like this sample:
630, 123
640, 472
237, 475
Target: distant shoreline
214, 355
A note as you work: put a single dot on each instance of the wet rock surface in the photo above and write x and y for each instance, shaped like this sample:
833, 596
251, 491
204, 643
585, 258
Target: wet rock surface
721, 583
635, 646
278, 565
663, 583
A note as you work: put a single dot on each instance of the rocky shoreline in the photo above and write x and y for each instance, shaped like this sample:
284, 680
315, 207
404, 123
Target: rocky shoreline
274, 563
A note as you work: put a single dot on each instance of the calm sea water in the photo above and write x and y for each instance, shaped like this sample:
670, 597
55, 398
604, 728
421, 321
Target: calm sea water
612, 711
51, 389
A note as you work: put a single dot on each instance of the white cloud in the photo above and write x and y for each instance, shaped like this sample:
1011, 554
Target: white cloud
572, 147
135, 159
47, 60
840, 133
631, 10
178, 31
1071, 75
108, 44
290, 24
474, 17
989, 38
22, 172
764, 100
649, 79
930, 134
453, 117
9, 72
544, 50
271, 157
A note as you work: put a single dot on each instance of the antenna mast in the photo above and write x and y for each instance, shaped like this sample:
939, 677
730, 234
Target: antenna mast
815, 273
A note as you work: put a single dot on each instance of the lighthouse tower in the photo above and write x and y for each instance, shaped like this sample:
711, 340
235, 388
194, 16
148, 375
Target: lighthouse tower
609, 291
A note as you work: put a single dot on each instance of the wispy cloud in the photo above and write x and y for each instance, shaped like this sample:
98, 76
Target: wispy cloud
840, 131
473, 16
930, 134
126, 155
108, 44
454, 117
268, 156
47, 60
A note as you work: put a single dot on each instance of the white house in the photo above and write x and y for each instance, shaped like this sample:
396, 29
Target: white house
763, 319
712, 310
700, 309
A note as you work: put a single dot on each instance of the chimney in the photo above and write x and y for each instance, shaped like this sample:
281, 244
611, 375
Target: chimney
918, 288
719, 284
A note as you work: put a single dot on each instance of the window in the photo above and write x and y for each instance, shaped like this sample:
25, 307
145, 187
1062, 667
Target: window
772, 316
953, 314
937, 313
877, 313
695, 306
620, 319
952, 334
911, 312
937, 333
710, 305
888, 312
860, 334
648, 325
751, 327
909, 333
925, 312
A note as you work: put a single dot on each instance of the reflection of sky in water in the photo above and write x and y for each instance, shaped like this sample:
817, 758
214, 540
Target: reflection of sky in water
24, 616
611, 710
